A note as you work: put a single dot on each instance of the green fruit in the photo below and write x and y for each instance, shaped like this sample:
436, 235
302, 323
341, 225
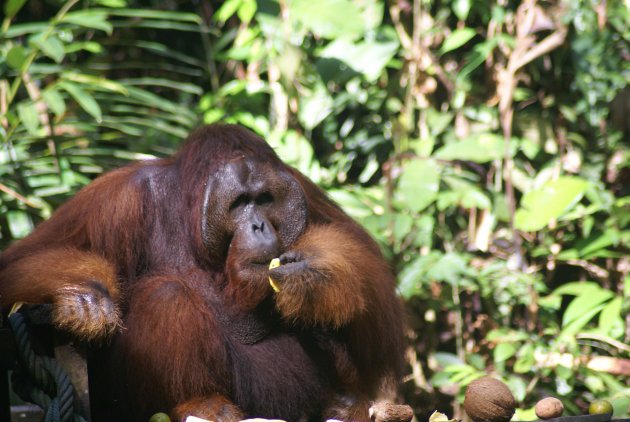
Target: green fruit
160, 417
600, 407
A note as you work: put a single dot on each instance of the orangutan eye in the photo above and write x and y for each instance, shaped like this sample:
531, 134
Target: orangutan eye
241, 200
264, 198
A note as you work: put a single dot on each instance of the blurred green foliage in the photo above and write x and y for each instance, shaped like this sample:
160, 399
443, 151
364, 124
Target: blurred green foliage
483, 144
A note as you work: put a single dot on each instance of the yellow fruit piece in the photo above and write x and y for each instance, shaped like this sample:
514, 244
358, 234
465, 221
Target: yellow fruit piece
160, 417
275, 263
600, 407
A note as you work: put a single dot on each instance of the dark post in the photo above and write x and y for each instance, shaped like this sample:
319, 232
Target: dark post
7, 362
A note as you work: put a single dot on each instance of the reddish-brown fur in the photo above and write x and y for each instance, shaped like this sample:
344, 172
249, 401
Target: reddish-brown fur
194, 336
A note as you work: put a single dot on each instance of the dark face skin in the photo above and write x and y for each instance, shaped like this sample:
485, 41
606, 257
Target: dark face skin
254, 208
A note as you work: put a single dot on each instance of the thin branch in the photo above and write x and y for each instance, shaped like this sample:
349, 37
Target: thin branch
595, 270
547, 45
4, 188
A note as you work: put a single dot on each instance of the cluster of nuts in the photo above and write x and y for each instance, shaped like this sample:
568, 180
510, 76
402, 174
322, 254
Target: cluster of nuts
490, 400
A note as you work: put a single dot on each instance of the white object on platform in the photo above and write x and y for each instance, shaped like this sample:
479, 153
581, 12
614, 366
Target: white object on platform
195, 419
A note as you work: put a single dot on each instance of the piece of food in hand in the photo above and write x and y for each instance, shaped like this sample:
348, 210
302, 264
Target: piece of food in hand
385, 411
160, 417
549, 408
598, 407
489, 400
275, 263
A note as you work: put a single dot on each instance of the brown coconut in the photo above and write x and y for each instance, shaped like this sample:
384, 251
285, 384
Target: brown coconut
488, 399
549, 408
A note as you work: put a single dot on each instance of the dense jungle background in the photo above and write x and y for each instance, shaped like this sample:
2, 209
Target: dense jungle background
485, 145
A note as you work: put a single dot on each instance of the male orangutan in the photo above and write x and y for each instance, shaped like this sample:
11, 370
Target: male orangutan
169, 259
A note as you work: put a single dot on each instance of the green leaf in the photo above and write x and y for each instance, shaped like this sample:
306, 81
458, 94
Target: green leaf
96, 82
610, 321
85, 100
586, 301
94, 19
418, 184
525, 360
451, 267
111, 3
54, 101
580, 322
412, 275
227, 9
247, 10
550, 201
329, 18
598, 242
91, 46
480, 148
20, 223
462, 193
155, 14
16, 57
518, 387
162, 82
12, 7
462, 8
575, 288
315, 107
504, 351
19, 29
27, 112
456, 39
368, 58
51, 47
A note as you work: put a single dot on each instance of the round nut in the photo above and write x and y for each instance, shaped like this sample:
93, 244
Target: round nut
489, 400
549, 408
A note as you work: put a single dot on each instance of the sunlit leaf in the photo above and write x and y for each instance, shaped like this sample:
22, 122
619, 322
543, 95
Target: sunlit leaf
478, 148
575, 288
247, 10
329, 18
85, 100
451, 267
367, 57
518, 387
20, 223
92, 47
96, 82
540, 206
586, 301
525, 359
50, 46
418, 184
93, 19
610, 320
315, 107
462, 8
504, 351
19, 29
29, 117
580, 322
227, 9
411, 277
456, 39
54, 101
